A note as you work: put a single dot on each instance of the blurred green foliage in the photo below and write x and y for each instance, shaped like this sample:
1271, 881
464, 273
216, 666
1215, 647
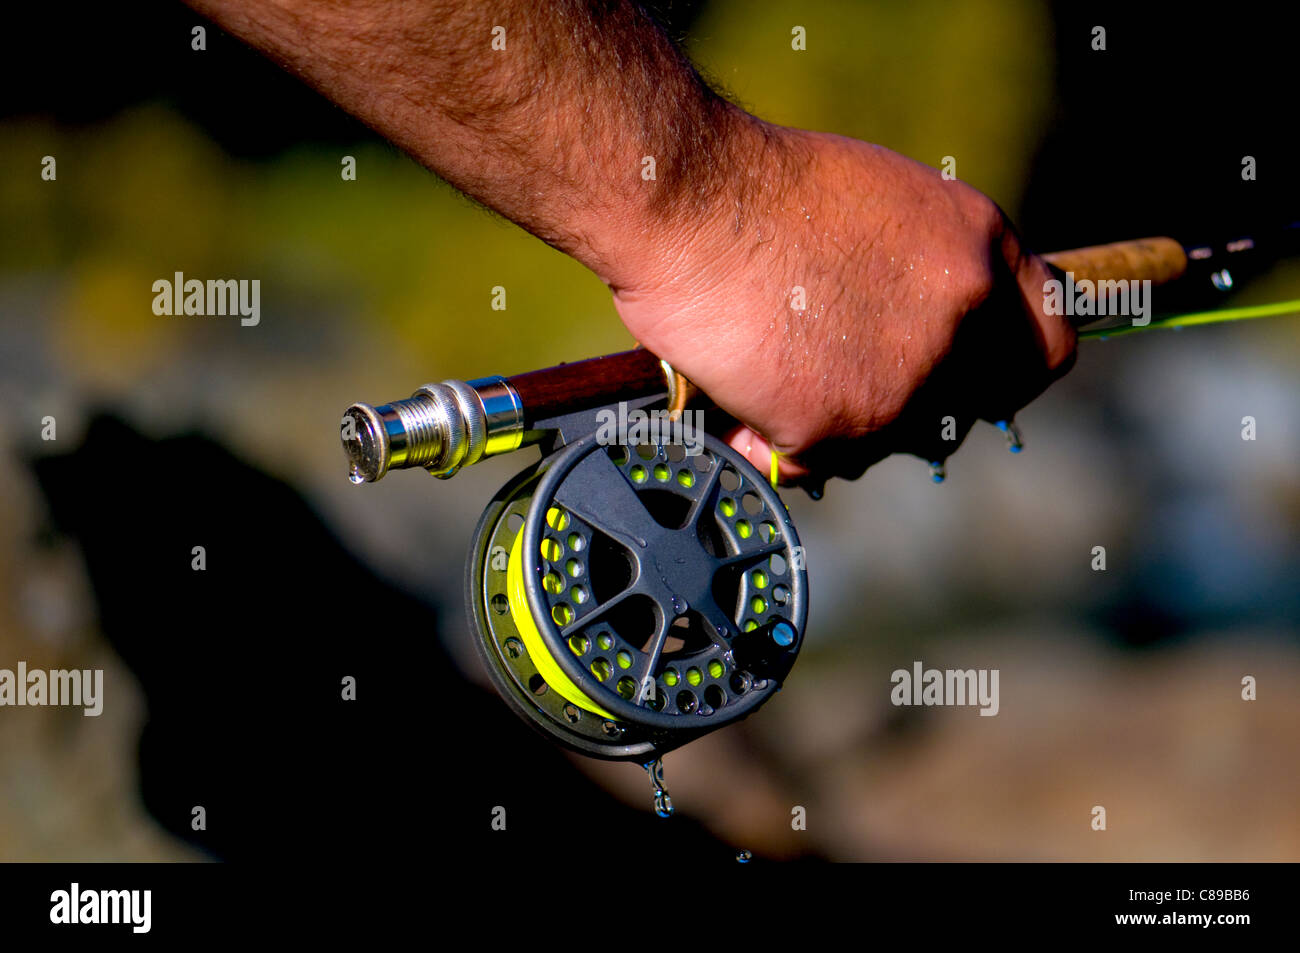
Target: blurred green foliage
394, 253
967, 78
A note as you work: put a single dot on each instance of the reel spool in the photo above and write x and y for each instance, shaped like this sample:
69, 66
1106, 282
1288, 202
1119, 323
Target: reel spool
630, 600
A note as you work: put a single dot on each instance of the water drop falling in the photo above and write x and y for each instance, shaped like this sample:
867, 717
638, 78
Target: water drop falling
743, 856
663, 802
1008, 427
938, 473
354, 475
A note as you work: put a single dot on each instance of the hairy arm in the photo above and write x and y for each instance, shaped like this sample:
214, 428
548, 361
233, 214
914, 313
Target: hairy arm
542, 111
838, 299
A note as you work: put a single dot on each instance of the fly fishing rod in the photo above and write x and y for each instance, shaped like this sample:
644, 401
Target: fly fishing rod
629, 594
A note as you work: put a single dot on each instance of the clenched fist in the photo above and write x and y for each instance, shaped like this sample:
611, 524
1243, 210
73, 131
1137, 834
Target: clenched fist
840, 300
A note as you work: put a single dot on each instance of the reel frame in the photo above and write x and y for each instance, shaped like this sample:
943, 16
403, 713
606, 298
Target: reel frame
586, 502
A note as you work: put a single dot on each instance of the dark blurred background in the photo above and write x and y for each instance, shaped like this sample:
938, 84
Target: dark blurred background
1119, 688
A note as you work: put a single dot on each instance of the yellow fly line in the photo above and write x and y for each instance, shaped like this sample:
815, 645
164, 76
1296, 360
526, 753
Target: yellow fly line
1204, 317
523, 618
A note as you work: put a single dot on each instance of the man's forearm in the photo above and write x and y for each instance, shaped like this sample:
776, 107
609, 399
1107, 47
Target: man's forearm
812, 285
552, 131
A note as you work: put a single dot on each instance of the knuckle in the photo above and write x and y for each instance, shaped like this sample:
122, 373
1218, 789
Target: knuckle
986, 218
1061, 359
1061, 351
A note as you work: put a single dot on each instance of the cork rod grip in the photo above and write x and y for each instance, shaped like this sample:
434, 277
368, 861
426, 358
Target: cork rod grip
1160, 260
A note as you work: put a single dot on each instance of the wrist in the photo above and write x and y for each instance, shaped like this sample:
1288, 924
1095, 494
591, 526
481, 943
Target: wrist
693, 213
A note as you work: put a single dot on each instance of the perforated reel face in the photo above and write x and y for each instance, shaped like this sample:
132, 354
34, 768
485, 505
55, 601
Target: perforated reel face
664, 594
514, 673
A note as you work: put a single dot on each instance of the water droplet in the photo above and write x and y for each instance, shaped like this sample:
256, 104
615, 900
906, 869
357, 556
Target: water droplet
1008, 427
663, 802
743, 856
354, 475
938, 473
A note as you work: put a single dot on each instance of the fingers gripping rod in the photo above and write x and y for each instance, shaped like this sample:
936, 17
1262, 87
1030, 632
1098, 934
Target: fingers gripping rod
444, 427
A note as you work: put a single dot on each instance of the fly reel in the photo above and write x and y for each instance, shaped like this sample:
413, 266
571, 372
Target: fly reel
628, 600
625, 599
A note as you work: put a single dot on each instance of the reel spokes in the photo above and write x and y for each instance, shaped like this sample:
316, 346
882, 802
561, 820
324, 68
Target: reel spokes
657, 591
